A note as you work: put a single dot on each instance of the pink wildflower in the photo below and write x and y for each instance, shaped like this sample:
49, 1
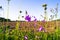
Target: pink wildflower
40, 29
25, 38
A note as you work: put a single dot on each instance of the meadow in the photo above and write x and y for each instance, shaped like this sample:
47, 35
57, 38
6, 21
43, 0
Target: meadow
28, 31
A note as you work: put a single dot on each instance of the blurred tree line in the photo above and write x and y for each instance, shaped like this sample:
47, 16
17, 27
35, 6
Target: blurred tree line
3, 19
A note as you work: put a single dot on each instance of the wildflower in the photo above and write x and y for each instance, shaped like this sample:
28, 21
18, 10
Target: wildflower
41, 28
35, 25
22, 16
20, 11
52, 10
35, 20
57, 8
25, 37
26, 12
28, 18
52, 16
36, 36
43, 21
45, 6
0, 7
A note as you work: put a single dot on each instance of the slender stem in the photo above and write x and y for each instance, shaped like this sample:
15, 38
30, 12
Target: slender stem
3, 17
8, 11
56, 19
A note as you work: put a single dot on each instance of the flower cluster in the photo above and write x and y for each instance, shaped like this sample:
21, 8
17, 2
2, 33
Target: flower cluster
28, 18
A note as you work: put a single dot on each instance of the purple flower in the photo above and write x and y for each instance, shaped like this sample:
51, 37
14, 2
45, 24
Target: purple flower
40, 29
43, 21
35, 18
35, 25
28, 18
25, 38
35, 21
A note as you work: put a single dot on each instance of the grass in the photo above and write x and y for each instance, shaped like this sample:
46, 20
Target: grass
19, 33
13, 34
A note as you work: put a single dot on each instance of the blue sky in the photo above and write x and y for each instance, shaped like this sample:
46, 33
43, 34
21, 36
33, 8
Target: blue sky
33, 7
